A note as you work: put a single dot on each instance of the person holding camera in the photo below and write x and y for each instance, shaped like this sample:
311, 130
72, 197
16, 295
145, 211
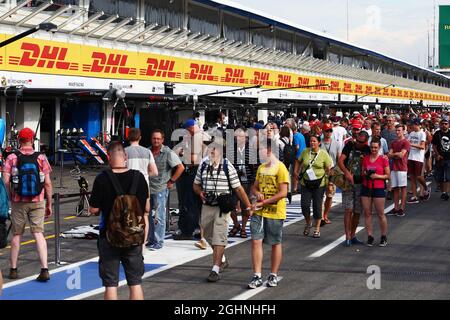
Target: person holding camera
214, 183
375, 170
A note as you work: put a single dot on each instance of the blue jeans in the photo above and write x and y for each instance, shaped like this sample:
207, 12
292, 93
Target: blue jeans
158, 203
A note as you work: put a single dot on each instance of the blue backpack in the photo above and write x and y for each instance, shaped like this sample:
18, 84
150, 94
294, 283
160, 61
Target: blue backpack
30, 184
4, 215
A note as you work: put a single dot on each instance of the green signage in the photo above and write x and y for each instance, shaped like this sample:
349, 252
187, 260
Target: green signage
444, 36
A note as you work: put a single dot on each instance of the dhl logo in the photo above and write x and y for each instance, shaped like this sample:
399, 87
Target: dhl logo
49, 57
334, 86
234, 76
359, 89
109, 63
393, 92
348, 87
160, 68
368, 90
201, 72
284, 81
1, 59
261, 78
302, 82
321, 85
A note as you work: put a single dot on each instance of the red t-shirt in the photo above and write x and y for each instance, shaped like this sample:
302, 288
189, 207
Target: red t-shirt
398, 146
379, 165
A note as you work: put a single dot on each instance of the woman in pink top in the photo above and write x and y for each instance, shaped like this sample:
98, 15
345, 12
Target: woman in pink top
376, 171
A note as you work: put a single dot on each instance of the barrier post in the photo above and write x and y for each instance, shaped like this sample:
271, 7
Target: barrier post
57, 231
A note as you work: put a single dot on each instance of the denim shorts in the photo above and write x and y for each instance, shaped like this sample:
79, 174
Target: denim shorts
442, 171
269, 230
372, 193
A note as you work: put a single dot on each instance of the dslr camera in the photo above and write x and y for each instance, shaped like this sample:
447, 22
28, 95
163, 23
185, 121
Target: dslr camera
369, 173
211, 199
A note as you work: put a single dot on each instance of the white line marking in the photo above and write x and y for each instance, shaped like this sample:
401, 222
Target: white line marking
253, 292
331, 246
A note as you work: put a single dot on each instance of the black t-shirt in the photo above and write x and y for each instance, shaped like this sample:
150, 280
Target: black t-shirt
103, 193
441, 140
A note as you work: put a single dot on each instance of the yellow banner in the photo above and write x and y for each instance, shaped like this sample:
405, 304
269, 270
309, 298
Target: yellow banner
49, 57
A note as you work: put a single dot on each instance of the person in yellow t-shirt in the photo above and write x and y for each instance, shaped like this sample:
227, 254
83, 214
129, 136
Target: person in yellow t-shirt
266, 224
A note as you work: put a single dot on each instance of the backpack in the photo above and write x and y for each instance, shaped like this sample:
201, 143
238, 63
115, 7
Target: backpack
29, 184
288, 154
4, 215
355, 164
125, 226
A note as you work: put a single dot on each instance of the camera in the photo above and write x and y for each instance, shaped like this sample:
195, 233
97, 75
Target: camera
211, 199
369, 173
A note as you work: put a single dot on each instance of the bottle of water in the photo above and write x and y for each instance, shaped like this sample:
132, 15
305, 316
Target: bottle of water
41, 176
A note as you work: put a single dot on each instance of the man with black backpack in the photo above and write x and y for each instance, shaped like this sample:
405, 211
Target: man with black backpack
27, 179
122, 197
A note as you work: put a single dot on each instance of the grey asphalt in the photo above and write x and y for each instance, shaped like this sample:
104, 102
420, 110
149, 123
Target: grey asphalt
414, 265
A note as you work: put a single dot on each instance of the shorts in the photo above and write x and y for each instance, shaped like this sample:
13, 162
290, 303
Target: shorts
21, 212
215, 226
351, 200
109, 263
269, 230
399, 179
373, 193
415, 168
442, 171
330, 190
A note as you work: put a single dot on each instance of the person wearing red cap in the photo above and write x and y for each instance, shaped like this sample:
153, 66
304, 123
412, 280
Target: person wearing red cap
27, 204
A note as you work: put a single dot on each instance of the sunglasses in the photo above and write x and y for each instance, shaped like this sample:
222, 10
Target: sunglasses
331, 130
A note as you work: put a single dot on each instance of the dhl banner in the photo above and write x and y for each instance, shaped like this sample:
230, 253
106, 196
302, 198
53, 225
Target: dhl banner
32, 55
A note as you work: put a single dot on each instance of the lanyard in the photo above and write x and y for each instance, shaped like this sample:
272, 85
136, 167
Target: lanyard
217, 178
310, 157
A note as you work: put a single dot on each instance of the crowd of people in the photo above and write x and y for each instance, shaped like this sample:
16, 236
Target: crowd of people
253, 173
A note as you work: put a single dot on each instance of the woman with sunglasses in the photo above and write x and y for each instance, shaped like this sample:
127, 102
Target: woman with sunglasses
375, 170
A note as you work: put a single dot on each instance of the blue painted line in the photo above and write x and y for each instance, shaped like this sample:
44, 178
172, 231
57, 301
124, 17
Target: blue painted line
58, 288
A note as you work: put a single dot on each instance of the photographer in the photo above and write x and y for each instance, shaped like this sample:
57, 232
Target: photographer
375, 170
215, 182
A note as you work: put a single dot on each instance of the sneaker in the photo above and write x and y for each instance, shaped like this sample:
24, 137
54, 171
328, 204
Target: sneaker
401, 213
383, 241
370, 241
255, 283
413, 200
202, 245
393, 212
272, 281
13, 274
213, 277
445, 196
224, 265
356, 241
347, 243
182, 237
155, 247
43, 276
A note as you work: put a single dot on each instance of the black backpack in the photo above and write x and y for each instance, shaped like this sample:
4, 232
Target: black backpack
288, 154
30, 184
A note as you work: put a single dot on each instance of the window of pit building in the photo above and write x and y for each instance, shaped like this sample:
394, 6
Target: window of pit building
319, 50
261, 34
334, 57
124, 8
235, 28
165, 13
204, 19
284, 40
302, 45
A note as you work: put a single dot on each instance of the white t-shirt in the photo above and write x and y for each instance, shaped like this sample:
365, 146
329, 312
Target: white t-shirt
338, 135
416, 154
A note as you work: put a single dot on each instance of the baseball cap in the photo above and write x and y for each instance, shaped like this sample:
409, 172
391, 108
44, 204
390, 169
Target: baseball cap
357, 125
444, 119
327, 126
189, 123
25, 135
416, 121
306, 127
258, 126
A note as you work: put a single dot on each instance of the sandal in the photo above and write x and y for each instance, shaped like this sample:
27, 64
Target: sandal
243, 233
233, 232
307, 230
316, 234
